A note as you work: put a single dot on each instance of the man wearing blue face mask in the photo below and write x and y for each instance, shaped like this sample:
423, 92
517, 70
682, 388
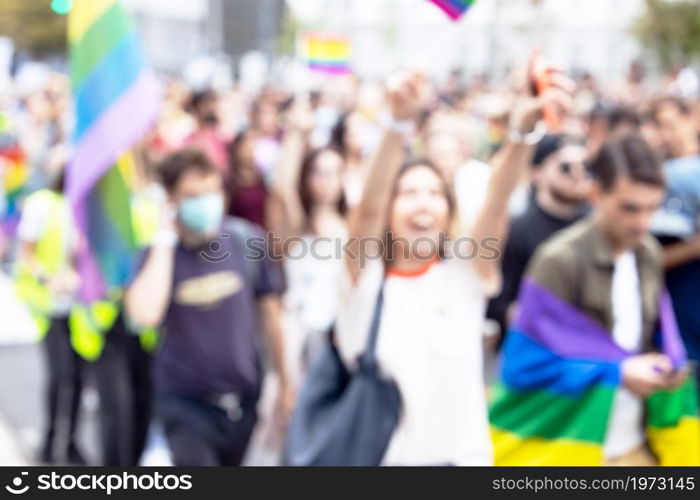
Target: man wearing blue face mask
212, 301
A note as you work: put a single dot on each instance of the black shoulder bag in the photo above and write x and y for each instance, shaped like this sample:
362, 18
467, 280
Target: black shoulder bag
344, 418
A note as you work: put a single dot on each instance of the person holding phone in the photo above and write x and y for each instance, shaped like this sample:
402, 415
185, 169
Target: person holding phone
589, 311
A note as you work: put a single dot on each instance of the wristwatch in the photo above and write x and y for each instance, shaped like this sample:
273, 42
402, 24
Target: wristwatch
531, 138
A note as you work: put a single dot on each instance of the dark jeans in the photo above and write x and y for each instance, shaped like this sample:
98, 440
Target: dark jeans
123, 375
202, 433
63, 389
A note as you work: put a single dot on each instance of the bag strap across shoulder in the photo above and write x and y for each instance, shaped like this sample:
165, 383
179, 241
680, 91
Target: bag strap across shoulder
369, 356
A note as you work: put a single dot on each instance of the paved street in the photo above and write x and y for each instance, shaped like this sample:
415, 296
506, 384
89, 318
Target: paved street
21, 398
21, 386
20, 372
10, 453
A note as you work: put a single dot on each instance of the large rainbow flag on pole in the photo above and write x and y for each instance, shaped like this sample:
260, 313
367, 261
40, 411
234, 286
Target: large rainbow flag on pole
454, 9
117, 99
559, 375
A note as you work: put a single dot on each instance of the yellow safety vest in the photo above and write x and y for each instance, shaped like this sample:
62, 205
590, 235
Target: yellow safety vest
88, 322
50, 253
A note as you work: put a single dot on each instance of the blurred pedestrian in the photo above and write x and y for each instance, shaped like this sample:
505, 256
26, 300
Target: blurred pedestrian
204, 106
585, 331
246, 187
308, 207
47, 280
676, 223
353, 136
213, 299
562, 180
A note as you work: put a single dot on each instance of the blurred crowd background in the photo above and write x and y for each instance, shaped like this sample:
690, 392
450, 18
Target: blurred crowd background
237, 84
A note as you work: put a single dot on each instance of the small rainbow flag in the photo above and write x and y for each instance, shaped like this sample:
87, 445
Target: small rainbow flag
117, 99
16, 174
326, 53
14, 171
454, 8
560, 371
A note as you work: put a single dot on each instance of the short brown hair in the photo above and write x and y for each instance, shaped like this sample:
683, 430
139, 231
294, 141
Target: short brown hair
628, 156
175, 165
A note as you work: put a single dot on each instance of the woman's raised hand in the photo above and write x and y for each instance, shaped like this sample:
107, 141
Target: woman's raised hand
301, 116
528, 110
407, 94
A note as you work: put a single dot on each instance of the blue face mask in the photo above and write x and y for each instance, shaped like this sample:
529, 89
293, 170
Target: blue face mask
202, 214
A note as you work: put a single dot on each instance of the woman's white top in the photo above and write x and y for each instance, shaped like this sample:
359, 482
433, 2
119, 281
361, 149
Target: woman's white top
430, 344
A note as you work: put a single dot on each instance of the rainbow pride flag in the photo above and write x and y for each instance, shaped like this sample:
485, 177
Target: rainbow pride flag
455, 9
326, 53
15, 174
14, 177
559, 375
117, 99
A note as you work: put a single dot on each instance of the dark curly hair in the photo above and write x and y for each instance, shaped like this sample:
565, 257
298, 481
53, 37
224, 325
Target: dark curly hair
177, 164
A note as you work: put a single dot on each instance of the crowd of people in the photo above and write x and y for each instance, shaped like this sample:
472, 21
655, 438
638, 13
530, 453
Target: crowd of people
286, 223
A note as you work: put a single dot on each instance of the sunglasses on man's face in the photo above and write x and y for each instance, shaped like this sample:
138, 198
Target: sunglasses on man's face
566, 167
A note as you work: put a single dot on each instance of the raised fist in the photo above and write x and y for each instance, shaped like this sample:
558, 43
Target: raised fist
407, 94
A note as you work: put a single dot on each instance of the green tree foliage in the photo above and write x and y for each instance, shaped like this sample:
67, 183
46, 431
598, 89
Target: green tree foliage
33, 26
285, 42
670, 29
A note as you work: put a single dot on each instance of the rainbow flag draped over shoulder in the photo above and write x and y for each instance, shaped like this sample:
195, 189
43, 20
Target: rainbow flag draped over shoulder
117, 99
326, 53
559, 375
455, 9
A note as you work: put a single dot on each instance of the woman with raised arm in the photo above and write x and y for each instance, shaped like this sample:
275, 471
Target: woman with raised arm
350, 136
306, 212
429, 337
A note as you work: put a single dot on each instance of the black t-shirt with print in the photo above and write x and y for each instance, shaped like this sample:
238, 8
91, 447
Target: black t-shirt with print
212, 328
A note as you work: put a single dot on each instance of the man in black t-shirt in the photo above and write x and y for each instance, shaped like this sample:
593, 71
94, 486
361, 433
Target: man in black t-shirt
561, 182
208, 284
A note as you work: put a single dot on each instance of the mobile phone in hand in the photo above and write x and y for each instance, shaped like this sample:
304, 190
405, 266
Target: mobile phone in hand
540, 80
